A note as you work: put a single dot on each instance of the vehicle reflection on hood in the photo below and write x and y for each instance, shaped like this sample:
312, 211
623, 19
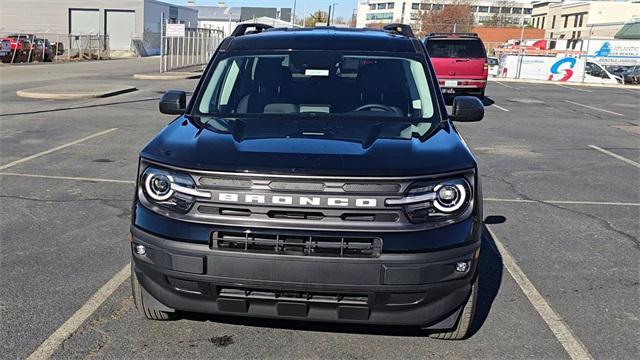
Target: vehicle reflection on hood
358, 130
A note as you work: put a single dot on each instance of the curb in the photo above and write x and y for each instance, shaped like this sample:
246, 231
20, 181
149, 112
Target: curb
73, 92
524, 81
168, 76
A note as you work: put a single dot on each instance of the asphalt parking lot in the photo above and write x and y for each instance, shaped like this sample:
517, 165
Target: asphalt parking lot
560, 266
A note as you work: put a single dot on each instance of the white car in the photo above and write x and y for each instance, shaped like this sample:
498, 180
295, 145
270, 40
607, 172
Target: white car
494, 66
594, 73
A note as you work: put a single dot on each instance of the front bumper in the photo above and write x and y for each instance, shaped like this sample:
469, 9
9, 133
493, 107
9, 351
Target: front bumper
420, 289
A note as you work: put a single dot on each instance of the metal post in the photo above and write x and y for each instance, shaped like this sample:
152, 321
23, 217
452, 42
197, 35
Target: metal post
329, 16
161, 42
520, 52
15, 50
586, 56
293, 14
304, 15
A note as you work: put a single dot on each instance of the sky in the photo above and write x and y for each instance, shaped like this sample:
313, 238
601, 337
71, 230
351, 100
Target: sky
344, 8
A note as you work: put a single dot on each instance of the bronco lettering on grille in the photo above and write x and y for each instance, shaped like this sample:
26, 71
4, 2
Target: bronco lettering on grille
297, 200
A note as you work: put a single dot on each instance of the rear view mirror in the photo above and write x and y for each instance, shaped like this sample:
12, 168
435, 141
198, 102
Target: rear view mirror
467, 109
173, 102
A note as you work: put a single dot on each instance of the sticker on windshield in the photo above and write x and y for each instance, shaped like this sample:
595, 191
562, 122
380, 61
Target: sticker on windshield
316, 72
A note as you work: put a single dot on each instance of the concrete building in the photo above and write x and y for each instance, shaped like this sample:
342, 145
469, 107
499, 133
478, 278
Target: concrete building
122, 20
226, 18
409, 11
575, 19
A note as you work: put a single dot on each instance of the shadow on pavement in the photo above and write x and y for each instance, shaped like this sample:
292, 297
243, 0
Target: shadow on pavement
490, 267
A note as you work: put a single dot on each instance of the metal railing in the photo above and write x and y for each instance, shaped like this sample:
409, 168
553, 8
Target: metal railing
31, 46
189, 47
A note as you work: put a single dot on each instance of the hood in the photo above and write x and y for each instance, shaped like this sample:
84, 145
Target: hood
314, 146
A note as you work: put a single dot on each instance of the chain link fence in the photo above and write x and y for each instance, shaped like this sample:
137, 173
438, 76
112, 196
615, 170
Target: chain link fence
42, 46
183, 47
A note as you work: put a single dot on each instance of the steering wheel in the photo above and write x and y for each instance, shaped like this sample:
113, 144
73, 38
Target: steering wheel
373, 107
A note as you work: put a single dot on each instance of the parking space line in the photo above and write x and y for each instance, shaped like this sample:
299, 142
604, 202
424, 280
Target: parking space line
505, 85
569, 341
500, 107
75, 178
561, 202
594, 108
46, 152
49, 346
621, 158
574, 88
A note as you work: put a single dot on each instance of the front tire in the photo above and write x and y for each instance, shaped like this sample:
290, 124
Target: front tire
145, 311
461, 330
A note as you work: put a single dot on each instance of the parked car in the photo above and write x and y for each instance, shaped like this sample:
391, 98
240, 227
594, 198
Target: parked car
43, 50
5, 49
494, 66
460, 62
629, 74
314, 175
595, 73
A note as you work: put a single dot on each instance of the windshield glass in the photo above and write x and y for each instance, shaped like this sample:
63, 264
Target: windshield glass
317, 84
455, 48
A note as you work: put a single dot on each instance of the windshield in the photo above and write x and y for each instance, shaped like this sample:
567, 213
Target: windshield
317, 84
455, 48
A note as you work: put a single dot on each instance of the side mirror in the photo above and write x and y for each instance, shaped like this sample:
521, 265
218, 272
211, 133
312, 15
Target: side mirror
173, 102
467, 109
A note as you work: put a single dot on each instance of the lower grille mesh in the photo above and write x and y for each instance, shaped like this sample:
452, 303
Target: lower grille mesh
311, 245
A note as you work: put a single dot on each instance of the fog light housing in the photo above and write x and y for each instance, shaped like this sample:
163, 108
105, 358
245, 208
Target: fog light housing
462, 266
140, 249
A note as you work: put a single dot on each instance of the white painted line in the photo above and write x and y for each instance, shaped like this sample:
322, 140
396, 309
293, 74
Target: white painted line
49, 346
500, 107
594, 108
574, 88
505, 85
75, 178
561, 202
46, 152
621, 158
569, 341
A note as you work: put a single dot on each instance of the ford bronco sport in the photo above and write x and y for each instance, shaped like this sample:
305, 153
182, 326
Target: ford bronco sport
313, 175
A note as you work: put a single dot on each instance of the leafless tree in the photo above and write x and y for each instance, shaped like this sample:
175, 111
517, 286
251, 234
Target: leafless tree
452, 16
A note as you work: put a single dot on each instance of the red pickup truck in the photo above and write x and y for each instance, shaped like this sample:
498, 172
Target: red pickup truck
460, 63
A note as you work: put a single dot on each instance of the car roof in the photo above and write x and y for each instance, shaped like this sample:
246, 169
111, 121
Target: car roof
324, 38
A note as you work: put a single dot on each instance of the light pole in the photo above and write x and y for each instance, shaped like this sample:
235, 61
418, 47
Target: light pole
293, 14
333, 11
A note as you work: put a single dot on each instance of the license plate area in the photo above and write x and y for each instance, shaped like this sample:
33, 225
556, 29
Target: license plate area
450, 83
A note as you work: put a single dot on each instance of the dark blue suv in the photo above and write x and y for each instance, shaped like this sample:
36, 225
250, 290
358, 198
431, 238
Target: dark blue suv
314, 175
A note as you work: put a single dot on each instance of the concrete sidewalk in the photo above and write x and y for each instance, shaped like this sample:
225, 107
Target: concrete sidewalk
75, 91
173, 75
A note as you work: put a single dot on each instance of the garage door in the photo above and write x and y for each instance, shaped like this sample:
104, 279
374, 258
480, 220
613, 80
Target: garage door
84, 21
120, 26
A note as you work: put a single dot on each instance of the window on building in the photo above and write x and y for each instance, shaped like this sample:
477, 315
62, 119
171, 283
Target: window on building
516, 10
551, 35
505, 10
573, 34
415, 6
425, 6
575, 21
483, 9
437, 6
553, 22
382, 6
543, 20
390, 5
579, 35
372, 6
380, 16
494, 10
527, 11
566, 21
581, 18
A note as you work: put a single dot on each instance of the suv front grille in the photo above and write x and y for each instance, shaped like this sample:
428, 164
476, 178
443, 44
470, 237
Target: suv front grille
294, 296
311, 245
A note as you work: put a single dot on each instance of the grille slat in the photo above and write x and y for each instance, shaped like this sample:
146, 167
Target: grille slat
311, 245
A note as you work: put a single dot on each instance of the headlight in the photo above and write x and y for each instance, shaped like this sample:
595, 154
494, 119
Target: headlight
171, 190
436, 200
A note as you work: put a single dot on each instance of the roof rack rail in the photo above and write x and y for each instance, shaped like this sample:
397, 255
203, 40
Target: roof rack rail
453, 33
399, 29
251, 28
